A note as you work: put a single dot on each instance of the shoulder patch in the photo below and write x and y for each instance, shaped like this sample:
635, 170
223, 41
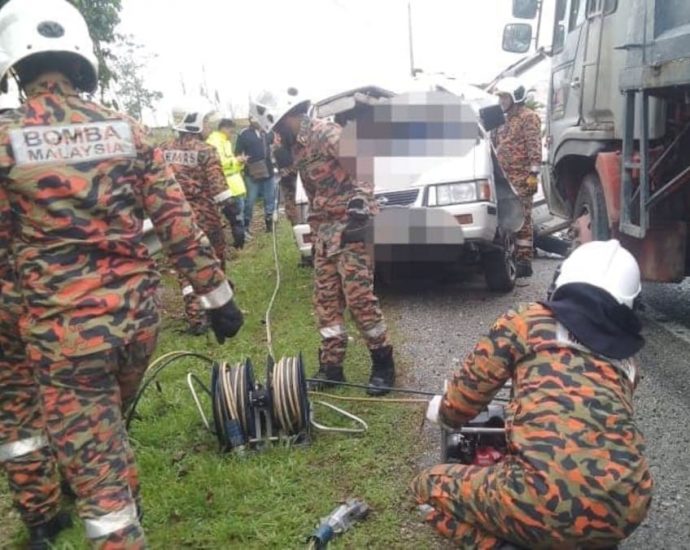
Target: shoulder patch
72, 144
181, 157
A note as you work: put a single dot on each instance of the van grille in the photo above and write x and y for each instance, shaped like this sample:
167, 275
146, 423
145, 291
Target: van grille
398, 198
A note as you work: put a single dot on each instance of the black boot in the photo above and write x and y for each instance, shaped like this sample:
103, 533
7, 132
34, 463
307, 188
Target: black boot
326, 374
382, 371
42, 536
524, 269
269, 224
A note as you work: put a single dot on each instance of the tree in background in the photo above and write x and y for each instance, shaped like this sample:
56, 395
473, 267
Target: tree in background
129, 66
102, 16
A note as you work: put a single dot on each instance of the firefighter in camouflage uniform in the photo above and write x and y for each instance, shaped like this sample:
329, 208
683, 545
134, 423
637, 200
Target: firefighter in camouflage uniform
288, 182
575, 475
76, 181
25, 452
341, 211
199, 172
519, 151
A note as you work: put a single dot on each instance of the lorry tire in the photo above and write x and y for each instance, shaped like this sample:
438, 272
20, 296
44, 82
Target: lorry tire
500, 269
591, 201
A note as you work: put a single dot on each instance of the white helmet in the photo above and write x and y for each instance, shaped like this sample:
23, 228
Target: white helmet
605, 265
9, 102
268, 110
191, 120
30, 27
513, 87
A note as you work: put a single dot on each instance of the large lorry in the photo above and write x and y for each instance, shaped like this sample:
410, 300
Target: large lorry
618, 123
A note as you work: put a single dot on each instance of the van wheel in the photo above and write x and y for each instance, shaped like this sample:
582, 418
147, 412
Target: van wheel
590, 218
500, 270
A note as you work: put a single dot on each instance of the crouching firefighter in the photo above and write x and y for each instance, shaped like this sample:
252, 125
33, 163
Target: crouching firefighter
341, 211
575, 475
71, 222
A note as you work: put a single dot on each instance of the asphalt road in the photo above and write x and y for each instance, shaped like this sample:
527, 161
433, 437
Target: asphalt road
439, 324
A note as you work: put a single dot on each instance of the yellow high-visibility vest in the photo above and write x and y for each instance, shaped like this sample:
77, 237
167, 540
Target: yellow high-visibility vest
232, 168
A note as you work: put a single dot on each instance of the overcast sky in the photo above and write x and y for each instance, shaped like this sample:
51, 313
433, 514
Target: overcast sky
319, 46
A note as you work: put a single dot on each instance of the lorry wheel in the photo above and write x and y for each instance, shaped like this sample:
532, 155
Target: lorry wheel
500, 270
590, 218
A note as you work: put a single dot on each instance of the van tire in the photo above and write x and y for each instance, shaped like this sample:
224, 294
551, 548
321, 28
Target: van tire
500, 265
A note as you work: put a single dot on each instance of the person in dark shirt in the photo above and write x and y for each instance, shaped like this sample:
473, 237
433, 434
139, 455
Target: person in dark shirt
259, 174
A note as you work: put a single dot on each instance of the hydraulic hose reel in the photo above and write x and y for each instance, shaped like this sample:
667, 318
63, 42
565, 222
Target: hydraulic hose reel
251, 415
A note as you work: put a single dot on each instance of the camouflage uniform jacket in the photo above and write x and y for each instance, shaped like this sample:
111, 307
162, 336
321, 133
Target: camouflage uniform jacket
76, 182
329, 187
571, 416
518, 145
199, 172
11, 307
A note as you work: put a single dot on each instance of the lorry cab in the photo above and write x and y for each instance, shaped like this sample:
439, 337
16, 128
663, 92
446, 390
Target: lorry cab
618, 123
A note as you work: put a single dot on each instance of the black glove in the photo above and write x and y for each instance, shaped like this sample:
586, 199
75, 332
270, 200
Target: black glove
226, 321
231, 213
238, 237
357, 210
359, 226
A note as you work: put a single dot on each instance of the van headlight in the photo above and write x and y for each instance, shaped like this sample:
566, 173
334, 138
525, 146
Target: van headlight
447, 194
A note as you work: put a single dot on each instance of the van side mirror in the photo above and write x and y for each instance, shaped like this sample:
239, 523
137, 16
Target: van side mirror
492, 117
525, 9
517, 37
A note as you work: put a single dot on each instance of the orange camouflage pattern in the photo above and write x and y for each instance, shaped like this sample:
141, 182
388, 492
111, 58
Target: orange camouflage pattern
328, 186
199, 172
76, 182
519, 151
342, 272
575, 475
33, 478
85, 272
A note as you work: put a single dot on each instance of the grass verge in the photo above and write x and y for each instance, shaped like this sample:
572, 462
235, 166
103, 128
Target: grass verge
195, 497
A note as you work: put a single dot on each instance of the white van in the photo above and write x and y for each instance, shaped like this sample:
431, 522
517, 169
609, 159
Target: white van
451, 209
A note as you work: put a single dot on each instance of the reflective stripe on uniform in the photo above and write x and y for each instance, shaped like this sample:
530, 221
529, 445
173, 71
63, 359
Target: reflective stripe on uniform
377, 331
218, 297
188, 290
520, 242
16, 449
97, 528
335, 331
224, 196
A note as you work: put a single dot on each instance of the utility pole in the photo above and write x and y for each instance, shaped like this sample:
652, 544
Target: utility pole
413, 69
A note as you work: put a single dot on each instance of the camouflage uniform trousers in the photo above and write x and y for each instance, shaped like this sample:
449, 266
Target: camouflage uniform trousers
288, 188
525, 237
346, 280
83, 399
478, 507
24, 449
196, 315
